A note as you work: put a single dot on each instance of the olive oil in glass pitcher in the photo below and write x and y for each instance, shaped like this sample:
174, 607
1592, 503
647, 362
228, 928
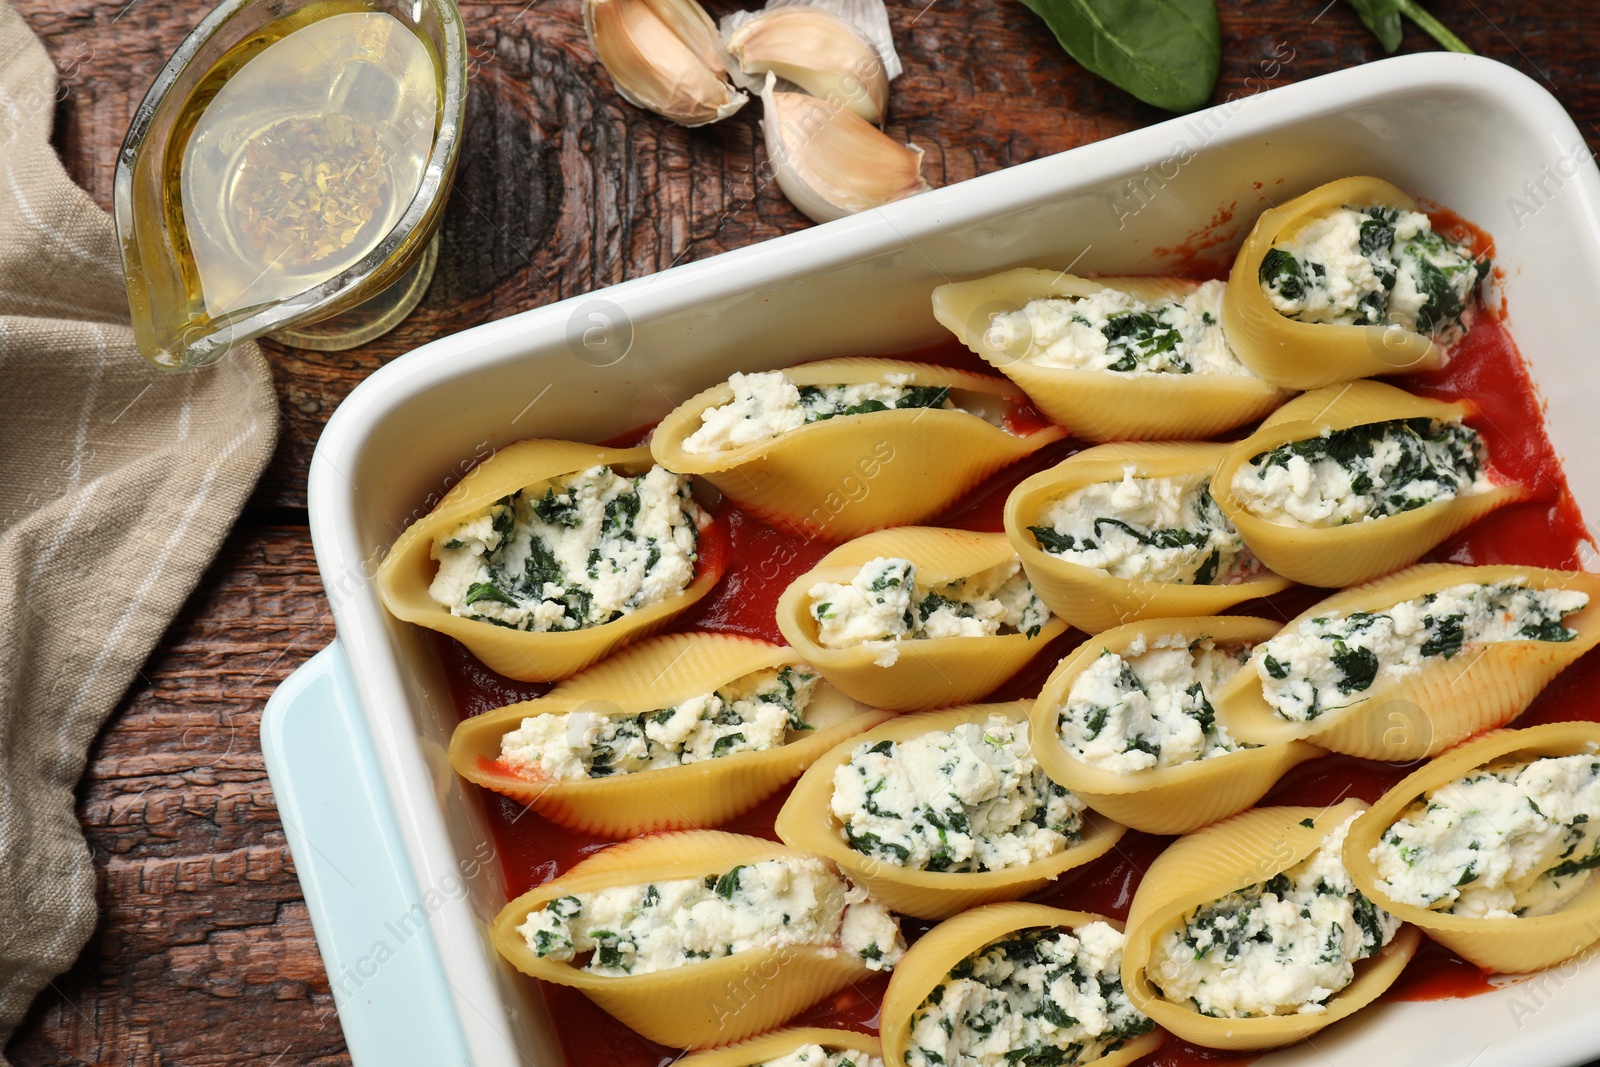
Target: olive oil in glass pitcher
286, 175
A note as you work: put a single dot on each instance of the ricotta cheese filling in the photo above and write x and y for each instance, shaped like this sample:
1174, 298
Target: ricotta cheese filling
1040, 996
1278, 948
750, 714
814, 1055
1148, 529
1363, 473
969, 799
1504, 841
1149, 706
777, 903
1375, 265
1114, 331
1329, 662
884, 605
582, 551
768, 404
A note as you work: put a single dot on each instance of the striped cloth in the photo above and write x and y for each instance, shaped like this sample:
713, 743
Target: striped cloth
118, 483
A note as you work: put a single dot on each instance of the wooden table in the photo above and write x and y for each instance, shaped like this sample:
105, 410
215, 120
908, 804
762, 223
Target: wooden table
204, 954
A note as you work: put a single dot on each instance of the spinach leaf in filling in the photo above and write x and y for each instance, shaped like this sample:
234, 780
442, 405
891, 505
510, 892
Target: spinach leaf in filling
1415, 460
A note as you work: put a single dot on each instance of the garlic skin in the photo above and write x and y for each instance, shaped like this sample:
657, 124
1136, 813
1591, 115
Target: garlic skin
818, 51
829, 162
663, 56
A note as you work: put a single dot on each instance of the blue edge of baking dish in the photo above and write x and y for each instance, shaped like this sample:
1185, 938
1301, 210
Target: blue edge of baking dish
388, 982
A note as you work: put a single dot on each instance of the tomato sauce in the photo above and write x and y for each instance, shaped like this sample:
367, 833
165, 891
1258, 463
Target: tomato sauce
1436, 973
1207, 254
1545, 530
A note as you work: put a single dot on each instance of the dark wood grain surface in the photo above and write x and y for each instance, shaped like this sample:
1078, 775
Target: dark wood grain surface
204, 954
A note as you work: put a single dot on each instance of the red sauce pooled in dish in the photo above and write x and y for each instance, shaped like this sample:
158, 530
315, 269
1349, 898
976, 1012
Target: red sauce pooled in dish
1544, 531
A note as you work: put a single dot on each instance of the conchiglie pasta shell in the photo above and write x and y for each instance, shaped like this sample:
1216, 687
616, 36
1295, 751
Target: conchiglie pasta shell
929, 673
408, 569
1089, 598
929, 962
1448, 700
1334, 556
1099, 405
1207, 865
778, 1043
659, 673
839, 478
807, 823
1162, 800
699, 1004
1507, 946
1310, 355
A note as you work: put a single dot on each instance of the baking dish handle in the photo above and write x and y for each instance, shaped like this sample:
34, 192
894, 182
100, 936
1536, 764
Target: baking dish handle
384, 969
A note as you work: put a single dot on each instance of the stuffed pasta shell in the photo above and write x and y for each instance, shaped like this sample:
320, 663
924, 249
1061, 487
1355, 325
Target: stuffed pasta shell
681, 731
839, 447
1346, 281
550, 554
1347, 483
1296, 949
1015, 984
1409, 665
1126, 723
666, 931
1123, 532
917, 617
1110, 358
940, 811
1491, 849
798, 1046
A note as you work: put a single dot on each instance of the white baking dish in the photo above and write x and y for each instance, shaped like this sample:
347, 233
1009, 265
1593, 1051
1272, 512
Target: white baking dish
1461, 131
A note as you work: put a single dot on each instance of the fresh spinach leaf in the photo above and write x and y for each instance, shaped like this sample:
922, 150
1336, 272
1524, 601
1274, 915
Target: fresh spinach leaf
1165, 52
1382, 17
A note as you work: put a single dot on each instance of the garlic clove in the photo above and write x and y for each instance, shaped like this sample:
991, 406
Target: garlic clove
663, 56
818, 51
829, 162
695, 28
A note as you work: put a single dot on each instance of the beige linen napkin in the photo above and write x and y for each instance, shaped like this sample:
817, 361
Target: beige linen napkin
118, 483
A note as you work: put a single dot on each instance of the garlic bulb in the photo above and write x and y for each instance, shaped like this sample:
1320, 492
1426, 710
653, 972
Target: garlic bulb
829, 162
818, 51
663, 55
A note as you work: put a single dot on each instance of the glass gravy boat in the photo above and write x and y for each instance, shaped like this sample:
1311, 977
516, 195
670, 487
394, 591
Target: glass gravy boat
287, 172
